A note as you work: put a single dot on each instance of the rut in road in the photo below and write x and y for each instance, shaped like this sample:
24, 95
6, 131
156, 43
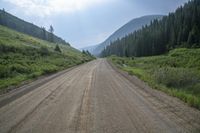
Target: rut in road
96, 98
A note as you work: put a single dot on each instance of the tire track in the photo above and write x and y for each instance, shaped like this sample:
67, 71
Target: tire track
29, 114
85, 107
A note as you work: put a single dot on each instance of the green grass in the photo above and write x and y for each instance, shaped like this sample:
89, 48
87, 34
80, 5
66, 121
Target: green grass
176, 73
23, 57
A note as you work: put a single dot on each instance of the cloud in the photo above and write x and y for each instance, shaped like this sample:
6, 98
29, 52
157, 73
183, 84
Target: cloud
51, 7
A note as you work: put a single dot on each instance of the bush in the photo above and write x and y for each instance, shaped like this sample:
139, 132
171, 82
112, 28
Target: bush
4, 71
19, 69
57, 49
6, 49
34, 75
176, 77
194, 89
49, 69
44, 51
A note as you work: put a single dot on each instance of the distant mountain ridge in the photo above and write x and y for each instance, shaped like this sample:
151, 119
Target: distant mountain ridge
128, 28
179, 29
89, 48
15, 23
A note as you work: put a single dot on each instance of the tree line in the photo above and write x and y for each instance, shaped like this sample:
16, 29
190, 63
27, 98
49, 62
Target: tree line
178, 29
87, 53
19, 25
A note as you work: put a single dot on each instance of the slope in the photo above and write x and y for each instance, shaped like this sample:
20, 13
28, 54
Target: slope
10, 21
23, 57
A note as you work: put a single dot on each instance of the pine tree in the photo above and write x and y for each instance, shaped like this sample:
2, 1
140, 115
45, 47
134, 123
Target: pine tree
193, 38
57, 49
51, 30
43, 33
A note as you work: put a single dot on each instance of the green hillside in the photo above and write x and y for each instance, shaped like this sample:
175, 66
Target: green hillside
11, 21
23, 57
176, 73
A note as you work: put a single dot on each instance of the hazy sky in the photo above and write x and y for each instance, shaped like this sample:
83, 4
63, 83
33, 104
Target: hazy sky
86, 22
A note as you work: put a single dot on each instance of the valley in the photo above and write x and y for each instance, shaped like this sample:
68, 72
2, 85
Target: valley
141, 75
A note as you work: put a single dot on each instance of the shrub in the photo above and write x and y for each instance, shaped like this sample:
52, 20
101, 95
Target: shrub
4, 71
6, 48
49, 69
34, 75
175, 77
19, 68
44, 51
57, 49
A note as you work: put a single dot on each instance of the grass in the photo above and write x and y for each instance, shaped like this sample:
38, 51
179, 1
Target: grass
176, 73
23, 57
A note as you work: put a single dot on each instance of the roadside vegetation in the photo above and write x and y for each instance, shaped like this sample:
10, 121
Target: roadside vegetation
23, 58
176, 73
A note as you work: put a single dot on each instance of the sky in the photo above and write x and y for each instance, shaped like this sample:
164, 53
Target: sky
86, 22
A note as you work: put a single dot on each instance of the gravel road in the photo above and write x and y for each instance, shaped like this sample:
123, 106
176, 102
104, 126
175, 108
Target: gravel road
94, 98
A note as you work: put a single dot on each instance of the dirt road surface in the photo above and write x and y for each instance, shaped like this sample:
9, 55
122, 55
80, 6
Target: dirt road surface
94, 98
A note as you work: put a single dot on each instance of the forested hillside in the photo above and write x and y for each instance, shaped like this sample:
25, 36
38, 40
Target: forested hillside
17, 24
179, 29
130, 27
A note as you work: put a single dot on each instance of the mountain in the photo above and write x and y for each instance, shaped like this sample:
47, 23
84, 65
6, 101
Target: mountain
178, 29
89, 48
128, 28
10, 21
